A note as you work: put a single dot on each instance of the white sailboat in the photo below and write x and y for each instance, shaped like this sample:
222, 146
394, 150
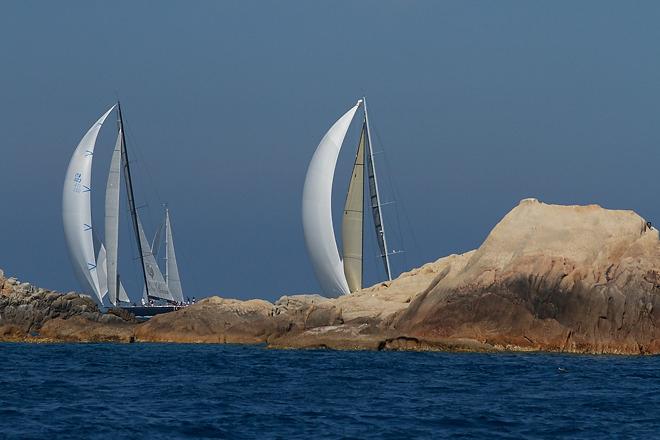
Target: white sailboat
96, 263
340, 275
171, 268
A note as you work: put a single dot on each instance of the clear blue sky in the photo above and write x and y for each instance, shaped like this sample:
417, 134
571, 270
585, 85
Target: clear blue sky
476, 105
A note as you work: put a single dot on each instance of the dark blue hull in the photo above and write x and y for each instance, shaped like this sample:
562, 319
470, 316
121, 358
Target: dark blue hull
149, 311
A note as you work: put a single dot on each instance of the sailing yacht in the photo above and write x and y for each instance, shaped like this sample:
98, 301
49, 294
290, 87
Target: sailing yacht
95, 263
340, 275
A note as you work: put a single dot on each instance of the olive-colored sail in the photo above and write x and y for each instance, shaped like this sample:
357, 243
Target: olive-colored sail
352, 221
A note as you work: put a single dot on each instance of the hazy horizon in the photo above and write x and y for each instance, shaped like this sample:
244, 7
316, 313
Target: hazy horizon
476, 106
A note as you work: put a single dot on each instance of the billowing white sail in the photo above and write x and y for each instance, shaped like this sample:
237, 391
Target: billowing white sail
76, 211
155, 281
112, 220
317, 209
171, 269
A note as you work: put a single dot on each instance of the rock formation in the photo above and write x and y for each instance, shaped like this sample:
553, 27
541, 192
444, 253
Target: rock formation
27, 311
565, 278
548, 277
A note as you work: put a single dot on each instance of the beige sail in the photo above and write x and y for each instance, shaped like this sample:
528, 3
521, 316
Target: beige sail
352, 221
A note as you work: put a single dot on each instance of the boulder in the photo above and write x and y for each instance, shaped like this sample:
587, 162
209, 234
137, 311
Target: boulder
550, 277
214, 319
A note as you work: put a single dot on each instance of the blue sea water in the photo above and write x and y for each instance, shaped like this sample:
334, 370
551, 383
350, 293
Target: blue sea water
110, 391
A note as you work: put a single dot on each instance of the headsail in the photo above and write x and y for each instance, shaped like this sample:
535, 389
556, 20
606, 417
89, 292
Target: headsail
112, 220
317, 209
352, 221
76, 210
156, 285
101, 261
171, 269
155, 249
123, 297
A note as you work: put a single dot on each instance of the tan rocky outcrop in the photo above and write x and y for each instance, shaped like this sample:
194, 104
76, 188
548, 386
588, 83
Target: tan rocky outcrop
212, 320
32, 313
548, 277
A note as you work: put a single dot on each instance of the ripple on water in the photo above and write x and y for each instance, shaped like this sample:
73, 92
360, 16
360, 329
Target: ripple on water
108, 391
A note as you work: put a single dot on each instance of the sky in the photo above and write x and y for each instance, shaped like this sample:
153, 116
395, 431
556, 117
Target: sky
475, 105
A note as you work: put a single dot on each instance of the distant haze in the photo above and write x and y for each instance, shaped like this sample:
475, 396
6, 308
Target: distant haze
475, 104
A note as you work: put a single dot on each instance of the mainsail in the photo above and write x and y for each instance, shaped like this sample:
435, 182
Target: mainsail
352, 221
112, 220
317, 209
171, 268
76, 210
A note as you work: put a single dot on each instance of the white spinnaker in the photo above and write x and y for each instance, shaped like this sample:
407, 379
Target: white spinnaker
172, 270
112, 220
77, 213
155, 281
317, 209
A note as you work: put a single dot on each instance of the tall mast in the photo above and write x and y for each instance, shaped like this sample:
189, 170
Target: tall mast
131, 197
376, 209
167, 256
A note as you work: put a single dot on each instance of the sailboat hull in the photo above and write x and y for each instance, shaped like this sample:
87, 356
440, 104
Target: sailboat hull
149, 311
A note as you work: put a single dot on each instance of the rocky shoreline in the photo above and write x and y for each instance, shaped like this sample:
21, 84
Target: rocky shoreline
578, 279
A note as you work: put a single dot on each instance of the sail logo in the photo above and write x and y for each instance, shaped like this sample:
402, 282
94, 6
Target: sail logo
77, 185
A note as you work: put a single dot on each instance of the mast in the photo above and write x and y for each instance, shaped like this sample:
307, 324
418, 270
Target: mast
131, 197
167, 252
376, 208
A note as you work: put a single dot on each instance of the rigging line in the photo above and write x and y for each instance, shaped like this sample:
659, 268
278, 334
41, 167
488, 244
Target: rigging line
400, 200
150, 188
372, 259
389, 179
136, 267
186, 260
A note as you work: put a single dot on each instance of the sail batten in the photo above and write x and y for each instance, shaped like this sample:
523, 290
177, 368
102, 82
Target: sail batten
317, 210
353, 220
77, 213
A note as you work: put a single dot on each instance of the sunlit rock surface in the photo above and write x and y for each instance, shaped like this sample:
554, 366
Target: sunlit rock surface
548, 277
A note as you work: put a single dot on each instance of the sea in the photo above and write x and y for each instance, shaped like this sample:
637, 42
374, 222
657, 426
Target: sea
172, 391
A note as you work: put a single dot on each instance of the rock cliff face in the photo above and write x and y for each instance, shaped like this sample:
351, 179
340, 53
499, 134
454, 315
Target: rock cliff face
27, 311
565, 278
548, 277
214, 320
